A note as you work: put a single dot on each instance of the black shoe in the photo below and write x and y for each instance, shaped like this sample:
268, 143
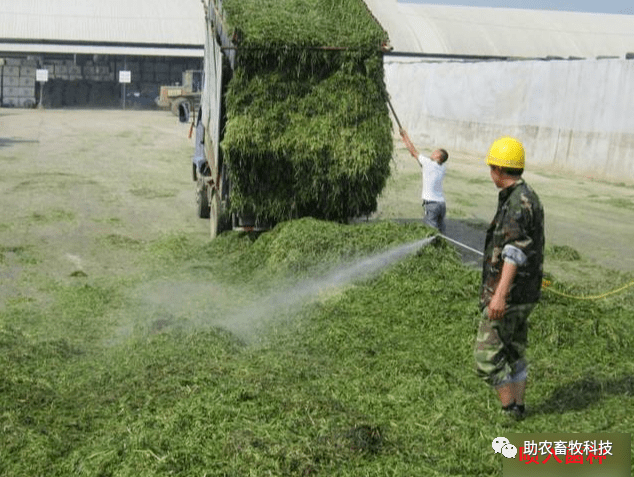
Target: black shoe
515, 412
519, 412
508, 410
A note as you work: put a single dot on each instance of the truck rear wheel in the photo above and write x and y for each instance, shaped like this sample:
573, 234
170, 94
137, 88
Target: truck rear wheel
214, 216
202, 202
219, 218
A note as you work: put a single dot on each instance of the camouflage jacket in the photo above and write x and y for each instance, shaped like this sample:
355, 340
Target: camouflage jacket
517, 230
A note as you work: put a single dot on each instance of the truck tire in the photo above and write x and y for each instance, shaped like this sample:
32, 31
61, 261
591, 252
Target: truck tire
219, 218
184, 113
175, 106
214, 216
202, 202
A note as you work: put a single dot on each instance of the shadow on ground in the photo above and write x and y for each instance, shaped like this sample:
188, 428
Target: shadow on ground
470, 233
7, 142
584, 393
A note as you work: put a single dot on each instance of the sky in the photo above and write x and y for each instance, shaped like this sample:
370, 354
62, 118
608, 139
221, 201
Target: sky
622, 7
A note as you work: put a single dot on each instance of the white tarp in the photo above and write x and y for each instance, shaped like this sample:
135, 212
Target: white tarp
574, 114
517, 32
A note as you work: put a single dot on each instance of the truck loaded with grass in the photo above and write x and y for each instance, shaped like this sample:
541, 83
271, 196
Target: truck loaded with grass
293, 114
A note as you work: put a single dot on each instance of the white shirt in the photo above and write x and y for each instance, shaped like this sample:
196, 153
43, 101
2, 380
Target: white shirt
433, 175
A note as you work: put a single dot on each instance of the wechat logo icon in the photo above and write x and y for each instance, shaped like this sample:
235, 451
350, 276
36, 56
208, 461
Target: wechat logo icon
503, 446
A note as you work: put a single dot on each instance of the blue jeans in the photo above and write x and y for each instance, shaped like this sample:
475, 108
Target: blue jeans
435, 214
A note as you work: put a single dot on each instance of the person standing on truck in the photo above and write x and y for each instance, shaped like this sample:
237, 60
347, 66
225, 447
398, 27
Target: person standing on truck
433, 169
512, 274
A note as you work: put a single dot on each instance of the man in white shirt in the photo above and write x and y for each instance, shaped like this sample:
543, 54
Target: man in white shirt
434, 169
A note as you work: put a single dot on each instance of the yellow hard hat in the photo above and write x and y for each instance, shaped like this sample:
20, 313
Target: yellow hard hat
506, 152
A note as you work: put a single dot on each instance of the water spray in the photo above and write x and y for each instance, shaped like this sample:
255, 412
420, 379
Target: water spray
245, 321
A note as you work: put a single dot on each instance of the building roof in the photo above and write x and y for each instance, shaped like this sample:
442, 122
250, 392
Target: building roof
148, 27
176, 28
485, 31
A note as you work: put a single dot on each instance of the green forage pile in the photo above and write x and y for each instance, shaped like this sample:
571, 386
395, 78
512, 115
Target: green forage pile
308, 131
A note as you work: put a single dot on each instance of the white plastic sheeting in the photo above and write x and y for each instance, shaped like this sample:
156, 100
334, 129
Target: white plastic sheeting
576, 115
103, 26
457, 30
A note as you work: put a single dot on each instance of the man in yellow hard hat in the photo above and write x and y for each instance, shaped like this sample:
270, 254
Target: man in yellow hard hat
511, 277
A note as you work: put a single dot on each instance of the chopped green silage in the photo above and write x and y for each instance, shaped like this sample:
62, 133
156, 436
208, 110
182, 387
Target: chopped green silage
303, 248
563, 253
21, 254
376, 381
308, 131
302, 23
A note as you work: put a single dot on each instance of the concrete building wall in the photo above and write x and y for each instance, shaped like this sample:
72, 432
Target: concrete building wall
576, 115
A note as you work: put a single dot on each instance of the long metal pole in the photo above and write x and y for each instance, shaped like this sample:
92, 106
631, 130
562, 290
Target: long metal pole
394, 113
461, 245
40, 104
125, 68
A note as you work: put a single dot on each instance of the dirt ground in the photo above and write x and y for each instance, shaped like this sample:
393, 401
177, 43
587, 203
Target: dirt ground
81, 189
75, 182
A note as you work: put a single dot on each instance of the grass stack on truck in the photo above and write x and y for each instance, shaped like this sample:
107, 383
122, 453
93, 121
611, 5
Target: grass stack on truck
294, 120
